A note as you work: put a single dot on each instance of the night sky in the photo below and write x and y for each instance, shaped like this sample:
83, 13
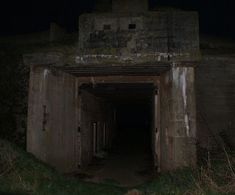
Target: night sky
25, 16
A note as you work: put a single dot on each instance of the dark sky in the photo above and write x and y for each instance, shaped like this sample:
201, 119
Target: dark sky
216, 16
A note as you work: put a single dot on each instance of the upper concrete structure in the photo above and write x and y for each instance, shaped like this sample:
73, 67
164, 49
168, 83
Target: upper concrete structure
134, 37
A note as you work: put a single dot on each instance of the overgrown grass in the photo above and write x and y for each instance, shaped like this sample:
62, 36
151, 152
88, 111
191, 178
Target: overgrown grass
21, 173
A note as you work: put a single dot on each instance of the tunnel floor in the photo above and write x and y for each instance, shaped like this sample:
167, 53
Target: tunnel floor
128, 164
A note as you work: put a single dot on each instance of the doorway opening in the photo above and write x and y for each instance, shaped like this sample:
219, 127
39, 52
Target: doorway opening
126, 156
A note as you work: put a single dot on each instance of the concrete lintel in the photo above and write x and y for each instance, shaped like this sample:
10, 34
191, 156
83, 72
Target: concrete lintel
120, 79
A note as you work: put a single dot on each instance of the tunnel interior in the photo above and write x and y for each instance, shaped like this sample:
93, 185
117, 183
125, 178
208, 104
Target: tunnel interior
133, 126
130, 154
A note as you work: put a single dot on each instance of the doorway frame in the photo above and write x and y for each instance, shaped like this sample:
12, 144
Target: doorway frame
155, 81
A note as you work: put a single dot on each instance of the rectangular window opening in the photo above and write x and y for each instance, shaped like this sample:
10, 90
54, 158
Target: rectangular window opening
132, 26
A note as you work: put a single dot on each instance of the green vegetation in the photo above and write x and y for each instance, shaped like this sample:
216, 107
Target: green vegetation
21, 173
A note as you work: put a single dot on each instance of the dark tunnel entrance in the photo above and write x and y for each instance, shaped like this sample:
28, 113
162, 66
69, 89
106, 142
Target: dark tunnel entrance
128, 159
134, 128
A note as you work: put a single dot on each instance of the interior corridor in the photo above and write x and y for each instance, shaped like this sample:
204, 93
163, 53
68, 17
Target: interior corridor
128, 162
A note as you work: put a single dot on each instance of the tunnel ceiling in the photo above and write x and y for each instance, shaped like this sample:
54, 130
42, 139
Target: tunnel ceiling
122, 92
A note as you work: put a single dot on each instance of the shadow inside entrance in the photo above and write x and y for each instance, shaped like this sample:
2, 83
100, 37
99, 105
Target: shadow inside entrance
128, 164
127, 159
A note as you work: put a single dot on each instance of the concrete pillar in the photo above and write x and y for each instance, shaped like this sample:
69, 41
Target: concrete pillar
184, 116
178, 119
52, 125
156, 129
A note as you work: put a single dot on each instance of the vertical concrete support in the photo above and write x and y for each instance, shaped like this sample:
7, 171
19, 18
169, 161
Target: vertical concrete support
166, 143
52, 119
184, 116
37, 98
178, 119
156, 129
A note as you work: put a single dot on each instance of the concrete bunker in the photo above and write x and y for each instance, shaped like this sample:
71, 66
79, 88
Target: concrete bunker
65, 110
72, 98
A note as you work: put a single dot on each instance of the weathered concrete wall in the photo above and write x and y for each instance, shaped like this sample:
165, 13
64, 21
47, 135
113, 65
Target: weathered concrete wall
52, 121
178, 119
184, 116
94, 110
215, 87
147, 38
